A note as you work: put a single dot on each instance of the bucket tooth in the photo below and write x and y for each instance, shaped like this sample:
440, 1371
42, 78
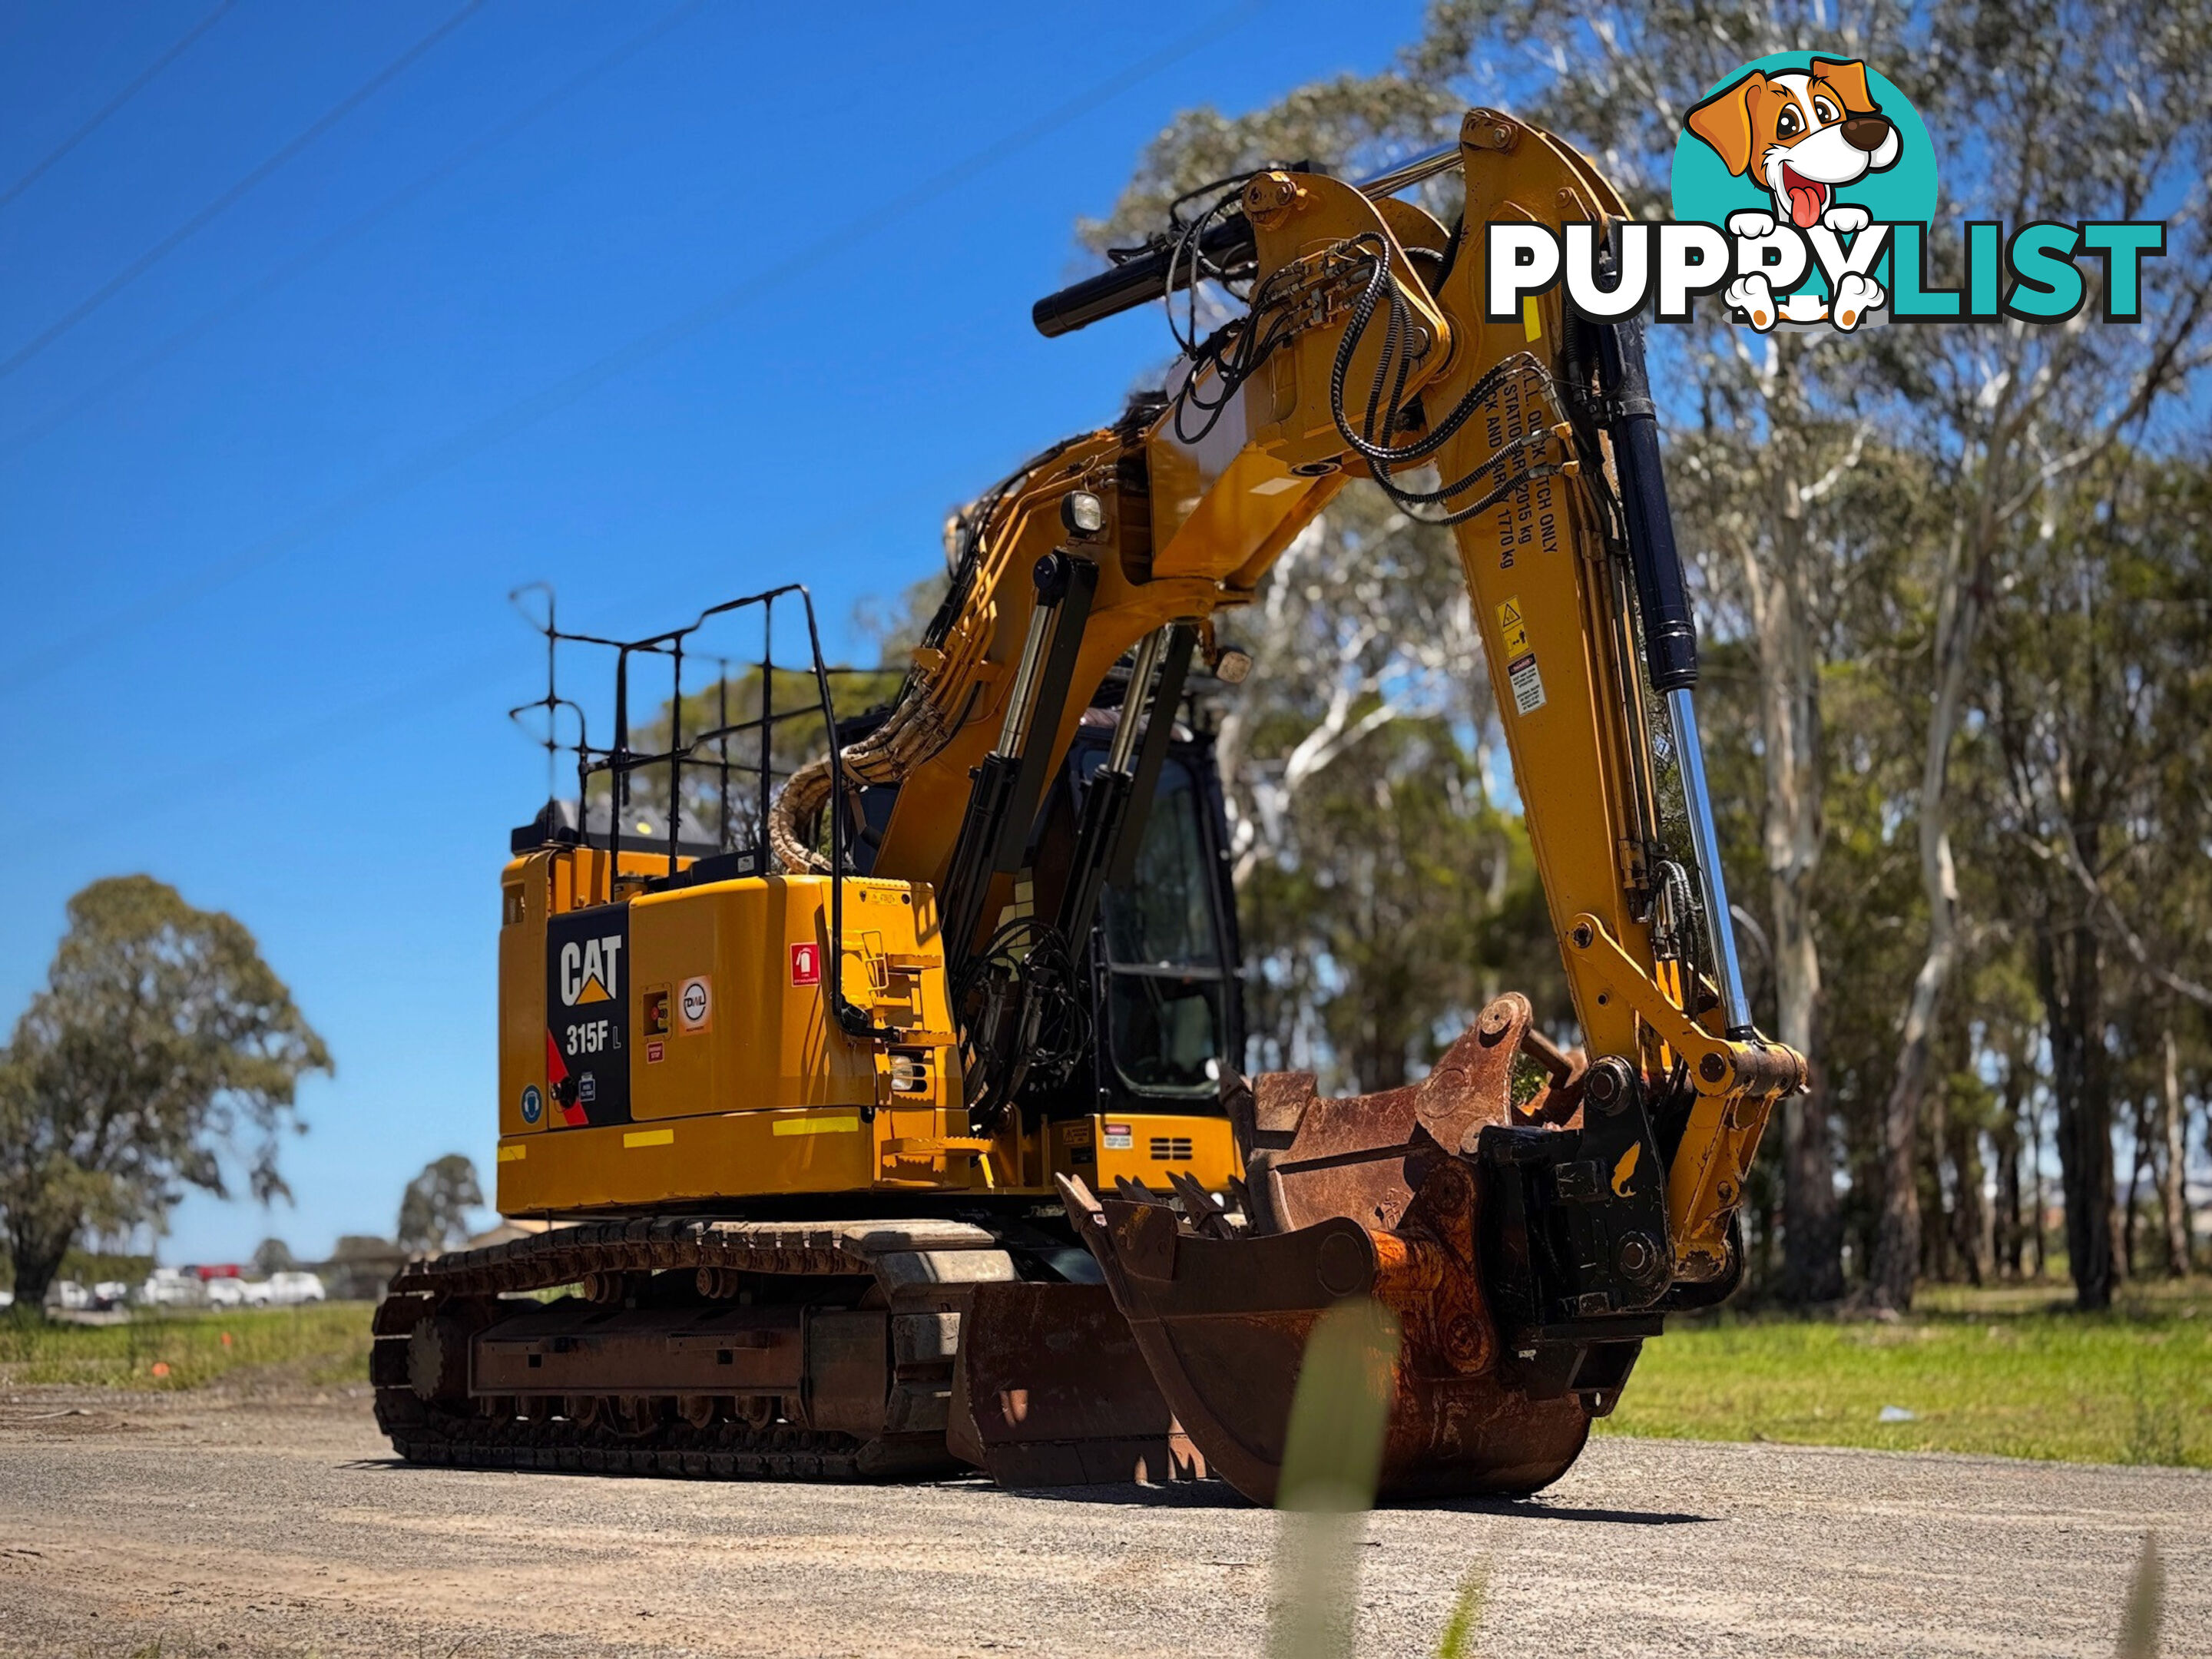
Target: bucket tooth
1131, 1190
1199, 1208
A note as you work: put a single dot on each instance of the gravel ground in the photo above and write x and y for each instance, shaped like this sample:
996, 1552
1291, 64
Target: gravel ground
218, 1523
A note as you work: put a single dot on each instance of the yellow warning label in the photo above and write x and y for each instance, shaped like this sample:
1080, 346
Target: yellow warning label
1513, 632
1520, 659
1531, 324
649, 1138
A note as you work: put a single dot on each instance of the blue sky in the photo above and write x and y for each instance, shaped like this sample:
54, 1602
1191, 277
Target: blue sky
687, 333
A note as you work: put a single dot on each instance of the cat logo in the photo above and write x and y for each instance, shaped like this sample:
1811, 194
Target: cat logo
587, 1014
590, 970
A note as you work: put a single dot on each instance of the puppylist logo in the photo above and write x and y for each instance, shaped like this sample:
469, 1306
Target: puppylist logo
1804, 187
1811, 168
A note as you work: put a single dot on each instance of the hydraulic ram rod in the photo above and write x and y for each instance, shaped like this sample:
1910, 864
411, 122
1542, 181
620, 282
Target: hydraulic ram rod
1670, 634
1151, 276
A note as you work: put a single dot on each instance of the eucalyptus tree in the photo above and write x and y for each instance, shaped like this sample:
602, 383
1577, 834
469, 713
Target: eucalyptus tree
162, 1044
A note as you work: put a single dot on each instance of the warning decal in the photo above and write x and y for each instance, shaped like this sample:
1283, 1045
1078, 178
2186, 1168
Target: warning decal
1520, 659
1527, 684
1512, 631
587, 1014
806, 965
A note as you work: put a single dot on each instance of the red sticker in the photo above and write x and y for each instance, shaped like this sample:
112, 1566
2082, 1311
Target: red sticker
653, 1053
806, 965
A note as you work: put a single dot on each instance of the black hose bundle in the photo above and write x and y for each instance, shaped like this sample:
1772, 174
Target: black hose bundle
1379, 420
1028, 1023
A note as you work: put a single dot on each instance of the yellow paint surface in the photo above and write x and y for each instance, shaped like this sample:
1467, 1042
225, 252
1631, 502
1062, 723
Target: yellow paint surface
818, 1126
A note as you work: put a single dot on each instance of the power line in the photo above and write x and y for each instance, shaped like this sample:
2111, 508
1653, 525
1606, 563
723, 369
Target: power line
19, 441
473, 441
117, 102
191, 226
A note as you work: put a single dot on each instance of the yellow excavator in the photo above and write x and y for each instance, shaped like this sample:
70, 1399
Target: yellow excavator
890, 1123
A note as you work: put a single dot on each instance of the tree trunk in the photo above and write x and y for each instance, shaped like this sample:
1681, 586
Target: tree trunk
1812, 1242
1936, 1242
2042, 1200
1813, 1268
2004, 1226
2085, 1155
2115, 1222
2010, 1225
2139, 1113
1970, 1218
1897, 1240
1780, 584
2069, 967
2173, 1180
37, 1255
1897, 1248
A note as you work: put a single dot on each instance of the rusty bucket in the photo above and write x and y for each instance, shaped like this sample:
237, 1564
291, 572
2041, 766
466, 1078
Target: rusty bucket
1364, 1196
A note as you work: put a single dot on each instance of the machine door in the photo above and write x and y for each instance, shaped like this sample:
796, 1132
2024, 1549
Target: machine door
1165, 956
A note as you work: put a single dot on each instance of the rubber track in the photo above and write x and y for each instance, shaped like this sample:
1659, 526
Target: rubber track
434, 1432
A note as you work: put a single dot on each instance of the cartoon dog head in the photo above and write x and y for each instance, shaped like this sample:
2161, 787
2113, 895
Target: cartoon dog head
1800, 133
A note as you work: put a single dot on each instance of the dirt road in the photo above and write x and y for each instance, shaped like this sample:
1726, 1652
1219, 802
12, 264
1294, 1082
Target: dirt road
282, 1527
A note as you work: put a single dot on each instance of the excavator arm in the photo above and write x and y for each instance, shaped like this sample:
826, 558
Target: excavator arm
1527, 1238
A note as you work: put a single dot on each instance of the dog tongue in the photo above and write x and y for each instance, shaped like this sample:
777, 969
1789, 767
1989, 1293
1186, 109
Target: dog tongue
1805, 205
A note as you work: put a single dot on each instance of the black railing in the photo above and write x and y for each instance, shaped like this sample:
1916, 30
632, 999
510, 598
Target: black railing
735, 776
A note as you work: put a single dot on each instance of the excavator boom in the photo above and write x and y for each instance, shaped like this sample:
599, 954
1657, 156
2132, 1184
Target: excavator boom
1529, 1244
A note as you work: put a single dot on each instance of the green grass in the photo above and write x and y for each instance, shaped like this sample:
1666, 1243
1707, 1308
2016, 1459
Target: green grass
2010, 1372
322, 1344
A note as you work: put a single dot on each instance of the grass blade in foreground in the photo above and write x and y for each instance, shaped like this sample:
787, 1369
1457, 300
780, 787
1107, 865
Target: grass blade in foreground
2139, 1622
1466, 1619
1330, 1463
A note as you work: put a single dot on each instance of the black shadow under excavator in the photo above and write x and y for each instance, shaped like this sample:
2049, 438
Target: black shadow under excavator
893, 1123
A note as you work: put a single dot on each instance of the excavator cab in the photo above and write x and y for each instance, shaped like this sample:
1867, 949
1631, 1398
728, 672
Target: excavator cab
1161, 968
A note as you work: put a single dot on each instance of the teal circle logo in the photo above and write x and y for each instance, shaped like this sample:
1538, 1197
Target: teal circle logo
1797, 134
533, 1103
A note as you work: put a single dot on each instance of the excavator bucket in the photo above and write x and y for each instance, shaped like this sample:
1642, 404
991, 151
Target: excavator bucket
1049, 1389
1365, 1196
